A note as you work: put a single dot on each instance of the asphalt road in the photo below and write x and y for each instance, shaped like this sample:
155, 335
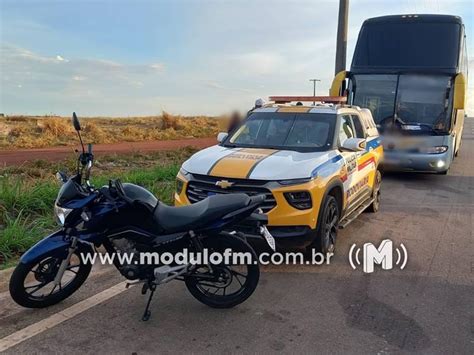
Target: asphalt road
428, 307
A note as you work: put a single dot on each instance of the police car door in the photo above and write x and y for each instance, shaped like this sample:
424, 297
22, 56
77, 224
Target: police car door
350, 177
365, 161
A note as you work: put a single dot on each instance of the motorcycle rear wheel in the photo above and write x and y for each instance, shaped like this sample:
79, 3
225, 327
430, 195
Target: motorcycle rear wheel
28, 280
244, 278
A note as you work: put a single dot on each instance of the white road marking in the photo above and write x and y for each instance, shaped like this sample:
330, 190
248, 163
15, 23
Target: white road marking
57, 318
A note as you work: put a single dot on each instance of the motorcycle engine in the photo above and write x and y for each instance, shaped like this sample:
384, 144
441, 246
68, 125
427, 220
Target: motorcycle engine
129, 258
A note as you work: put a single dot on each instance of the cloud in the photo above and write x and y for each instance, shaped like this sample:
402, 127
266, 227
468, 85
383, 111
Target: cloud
53, 83
214, 85
223, 88
51, 73
260, 63
158, 66
11, 54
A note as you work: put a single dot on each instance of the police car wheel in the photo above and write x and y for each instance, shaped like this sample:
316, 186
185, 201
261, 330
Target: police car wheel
326, 232
375, 205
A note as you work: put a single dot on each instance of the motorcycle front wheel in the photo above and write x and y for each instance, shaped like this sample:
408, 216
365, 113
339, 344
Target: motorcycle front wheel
32, 285
225, 285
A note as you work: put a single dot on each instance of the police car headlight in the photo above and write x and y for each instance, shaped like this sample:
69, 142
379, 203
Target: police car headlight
294, 181
299, 199
433, 150
179, 185
61, 214
184, 172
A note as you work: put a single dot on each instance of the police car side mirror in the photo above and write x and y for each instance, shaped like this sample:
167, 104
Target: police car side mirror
354, 144
221, 136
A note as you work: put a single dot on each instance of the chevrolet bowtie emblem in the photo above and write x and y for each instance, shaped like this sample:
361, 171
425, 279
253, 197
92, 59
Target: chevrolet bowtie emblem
224, 184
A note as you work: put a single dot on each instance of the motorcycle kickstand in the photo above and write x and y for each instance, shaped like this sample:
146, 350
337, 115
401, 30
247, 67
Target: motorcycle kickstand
152, 288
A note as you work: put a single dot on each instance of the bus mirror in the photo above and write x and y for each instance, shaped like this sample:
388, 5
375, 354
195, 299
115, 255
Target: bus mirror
459, 92
338, 84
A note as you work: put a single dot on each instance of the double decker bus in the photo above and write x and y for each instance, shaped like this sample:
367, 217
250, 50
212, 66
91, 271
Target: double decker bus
411, 72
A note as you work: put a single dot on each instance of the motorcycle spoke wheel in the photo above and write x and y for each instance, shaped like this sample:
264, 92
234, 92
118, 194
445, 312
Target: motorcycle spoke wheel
227, 284
32, 285
230, 281
44, 273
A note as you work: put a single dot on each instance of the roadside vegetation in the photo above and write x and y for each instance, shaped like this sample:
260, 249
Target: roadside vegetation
27, 192
46, 131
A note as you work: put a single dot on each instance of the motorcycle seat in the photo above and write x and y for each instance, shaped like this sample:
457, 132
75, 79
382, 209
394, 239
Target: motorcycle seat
199, 214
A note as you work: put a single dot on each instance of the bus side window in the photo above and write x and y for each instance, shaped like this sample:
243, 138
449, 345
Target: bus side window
359, 130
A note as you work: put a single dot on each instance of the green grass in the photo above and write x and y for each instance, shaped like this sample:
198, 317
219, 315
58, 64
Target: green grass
28, 192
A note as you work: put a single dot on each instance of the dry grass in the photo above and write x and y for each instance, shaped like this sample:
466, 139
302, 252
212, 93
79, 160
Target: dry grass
45, 131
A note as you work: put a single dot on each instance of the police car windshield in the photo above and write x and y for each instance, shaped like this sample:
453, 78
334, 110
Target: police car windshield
283, 130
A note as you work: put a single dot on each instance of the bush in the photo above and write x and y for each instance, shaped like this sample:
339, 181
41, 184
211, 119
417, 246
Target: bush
95, 134
170, 121
56, 126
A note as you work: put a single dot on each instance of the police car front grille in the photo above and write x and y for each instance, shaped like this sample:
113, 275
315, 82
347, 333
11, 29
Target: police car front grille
200, 189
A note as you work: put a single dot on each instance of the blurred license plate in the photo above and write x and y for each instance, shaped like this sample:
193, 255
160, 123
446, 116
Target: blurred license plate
268, 237
391, 161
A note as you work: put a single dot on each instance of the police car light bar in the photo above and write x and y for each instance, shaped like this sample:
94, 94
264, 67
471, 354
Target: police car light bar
325, 99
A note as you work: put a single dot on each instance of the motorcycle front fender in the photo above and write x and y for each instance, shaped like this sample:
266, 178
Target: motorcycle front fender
54, 245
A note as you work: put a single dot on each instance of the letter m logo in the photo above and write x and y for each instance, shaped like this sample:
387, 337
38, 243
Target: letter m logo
383, 255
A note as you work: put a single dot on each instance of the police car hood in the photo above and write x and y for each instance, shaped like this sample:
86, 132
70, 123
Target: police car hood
255, 163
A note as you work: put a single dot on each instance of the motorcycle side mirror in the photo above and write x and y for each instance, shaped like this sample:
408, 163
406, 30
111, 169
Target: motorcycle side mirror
61, 176
75, 122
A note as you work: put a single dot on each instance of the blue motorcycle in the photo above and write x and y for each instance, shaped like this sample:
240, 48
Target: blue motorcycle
128, 220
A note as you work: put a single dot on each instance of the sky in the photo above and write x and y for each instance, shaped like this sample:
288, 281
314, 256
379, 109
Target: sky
135, 58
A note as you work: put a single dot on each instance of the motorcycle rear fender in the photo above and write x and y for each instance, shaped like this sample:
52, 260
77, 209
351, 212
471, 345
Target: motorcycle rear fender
54, 245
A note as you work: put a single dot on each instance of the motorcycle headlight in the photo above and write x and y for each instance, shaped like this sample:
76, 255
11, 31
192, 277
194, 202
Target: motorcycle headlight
61, 214
433, 150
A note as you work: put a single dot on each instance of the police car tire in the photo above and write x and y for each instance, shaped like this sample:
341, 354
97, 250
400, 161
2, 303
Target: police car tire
374, 206
318, 242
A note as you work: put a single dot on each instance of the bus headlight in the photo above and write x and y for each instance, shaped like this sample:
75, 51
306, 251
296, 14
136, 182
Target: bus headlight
61, 214
433, 150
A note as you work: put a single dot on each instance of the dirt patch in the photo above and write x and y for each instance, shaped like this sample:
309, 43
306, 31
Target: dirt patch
19, 156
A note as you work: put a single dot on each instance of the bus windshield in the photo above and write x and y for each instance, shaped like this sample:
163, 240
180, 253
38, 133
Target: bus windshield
414, 99
377, 93
424, 100
288, 131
